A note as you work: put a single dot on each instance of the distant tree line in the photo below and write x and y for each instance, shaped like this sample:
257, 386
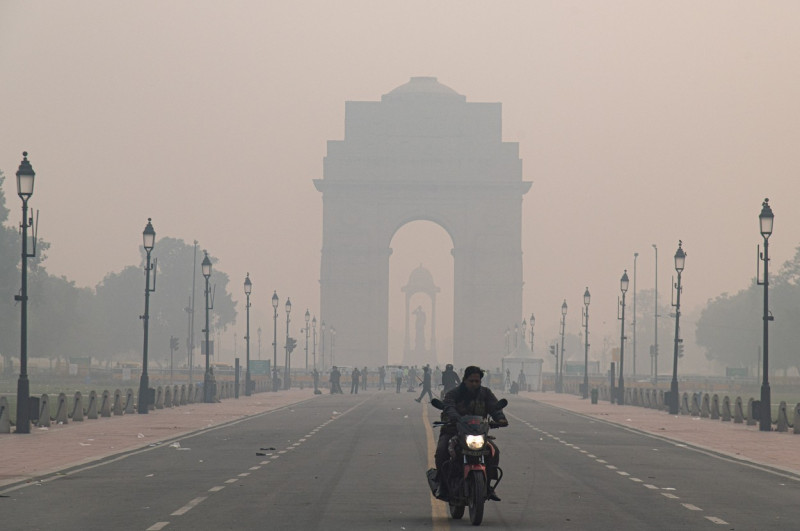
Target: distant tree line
65, 320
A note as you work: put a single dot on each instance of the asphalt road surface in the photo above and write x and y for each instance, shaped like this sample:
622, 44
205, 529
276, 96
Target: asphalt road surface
358, 462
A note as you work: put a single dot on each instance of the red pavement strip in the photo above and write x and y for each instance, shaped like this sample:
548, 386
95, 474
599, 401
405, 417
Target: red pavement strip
46, 451
741, 442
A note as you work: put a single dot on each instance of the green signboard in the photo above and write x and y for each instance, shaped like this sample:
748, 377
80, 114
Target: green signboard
259, 366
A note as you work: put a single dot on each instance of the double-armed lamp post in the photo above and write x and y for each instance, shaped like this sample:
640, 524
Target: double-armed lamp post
248, 289
149, 240
208, 392
766, 219
623, 287
586, 299
308, 317
680, 262
287, 367
25, 178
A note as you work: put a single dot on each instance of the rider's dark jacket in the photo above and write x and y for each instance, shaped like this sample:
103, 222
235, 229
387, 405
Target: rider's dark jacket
459, 402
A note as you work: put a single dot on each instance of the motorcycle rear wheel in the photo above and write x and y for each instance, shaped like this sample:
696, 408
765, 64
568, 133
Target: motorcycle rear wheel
477, 497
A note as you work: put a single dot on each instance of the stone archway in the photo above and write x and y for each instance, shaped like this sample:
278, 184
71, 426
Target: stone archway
421, 153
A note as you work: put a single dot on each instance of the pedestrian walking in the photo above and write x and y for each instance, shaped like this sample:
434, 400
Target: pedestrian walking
381, 378
398, 376
426, 384
335, 380
364, 379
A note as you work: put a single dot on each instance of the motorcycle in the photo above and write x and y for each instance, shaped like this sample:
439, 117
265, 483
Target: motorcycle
467, 485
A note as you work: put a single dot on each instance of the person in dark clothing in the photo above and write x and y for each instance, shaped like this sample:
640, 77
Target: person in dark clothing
398, 377
426, 384
469, 398
335, 380
382, 378
364, 379
355, 376
450, 379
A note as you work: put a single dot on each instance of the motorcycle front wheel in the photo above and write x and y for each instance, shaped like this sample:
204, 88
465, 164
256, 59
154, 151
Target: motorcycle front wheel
456, 511
477, 497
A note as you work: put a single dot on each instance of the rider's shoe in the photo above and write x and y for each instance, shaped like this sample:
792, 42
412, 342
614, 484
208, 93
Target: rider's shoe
416, 399
492, 496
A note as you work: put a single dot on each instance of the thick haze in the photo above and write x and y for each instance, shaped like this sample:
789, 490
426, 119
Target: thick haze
638, 122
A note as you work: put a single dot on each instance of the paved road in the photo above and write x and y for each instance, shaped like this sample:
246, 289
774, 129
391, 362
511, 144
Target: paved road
357, 462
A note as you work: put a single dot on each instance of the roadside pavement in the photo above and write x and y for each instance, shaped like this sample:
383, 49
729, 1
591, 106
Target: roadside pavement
745, 443
44, 451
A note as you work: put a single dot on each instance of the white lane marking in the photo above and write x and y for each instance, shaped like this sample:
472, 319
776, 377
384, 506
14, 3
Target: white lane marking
670, 496
611, 467
158, 526
302, 440
216, 489
602, 461
637, 480
591, 456
254, 468
717, 520
188, 507
274, 457
691, 507
233, 480
649, 486
584, 452
244, 474
265, 462
282, 452
621, 473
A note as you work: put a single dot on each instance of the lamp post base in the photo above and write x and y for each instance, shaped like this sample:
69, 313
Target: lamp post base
23, 405
765, 409
144, 385
208, 387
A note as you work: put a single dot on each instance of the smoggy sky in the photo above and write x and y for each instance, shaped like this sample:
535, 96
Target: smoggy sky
639, 122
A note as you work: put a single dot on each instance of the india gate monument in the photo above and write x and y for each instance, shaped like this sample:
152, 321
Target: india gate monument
421, 153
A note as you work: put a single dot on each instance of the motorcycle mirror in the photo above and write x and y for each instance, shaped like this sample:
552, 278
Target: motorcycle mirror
438, 404
502, 403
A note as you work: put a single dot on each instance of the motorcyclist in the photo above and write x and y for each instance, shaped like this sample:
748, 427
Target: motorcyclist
449, 379
469, 398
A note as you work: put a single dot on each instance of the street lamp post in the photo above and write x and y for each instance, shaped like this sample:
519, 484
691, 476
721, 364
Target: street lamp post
149, 239
586, 299
654, 360
680, 262
766, 220
314, 331
623, 287
560, 377
248, 288
208, 393
308, 317
533, 320
25, 179
333, 341
633, 321
274, 340
259, 343
287, 367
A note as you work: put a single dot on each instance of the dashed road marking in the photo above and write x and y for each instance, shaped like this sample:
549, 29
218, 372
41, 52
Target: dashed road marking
158, 526
649, 486
233, 480
621, 473
716, 520
691, 507
670, 496
637, 480
216, 489
254, 468
244, 474
188, 507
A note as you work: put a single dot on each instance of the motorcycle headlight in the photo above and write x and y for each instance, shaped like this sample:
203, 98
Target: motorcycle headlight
475, 442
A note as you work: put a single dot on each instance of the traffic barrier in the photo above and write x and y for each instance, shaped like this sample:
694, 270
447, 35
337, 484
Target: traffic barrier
159, 397
176, 396
783, 420
118, 402
5, 421
44, 412
796, 429
61, 409
129, 410
751, 417
685, 404
738, 414
167, 397
726, 409
105, 404
715, 407
695, 405
183, 395
91, 411
77, 408
705, 407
